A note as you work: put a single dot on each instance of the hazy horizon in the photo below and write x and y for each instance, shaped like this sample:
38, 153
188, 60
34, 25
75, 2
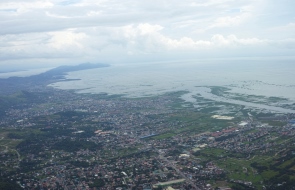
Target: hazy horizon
138, 80
38, 34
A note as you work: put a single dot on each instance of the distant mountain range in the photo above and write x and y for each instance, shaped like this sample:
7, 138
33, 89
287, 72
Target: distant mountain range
65, 69
15, 84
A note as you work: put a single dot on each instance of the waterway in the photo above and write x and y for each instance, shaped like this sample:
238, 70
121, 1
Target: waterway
205, 92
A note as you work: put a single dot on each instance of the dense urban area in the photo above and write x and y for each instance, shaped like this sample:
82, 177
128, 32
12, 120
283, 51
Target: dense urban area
58, 139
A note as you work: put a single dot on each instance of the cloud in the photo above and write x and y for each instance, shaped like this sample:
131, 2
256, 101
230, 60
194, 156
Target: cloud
66, 39
21, 7
230, 21
290, 27
46, 45
285, 44
150, 38
95, 30
143, 38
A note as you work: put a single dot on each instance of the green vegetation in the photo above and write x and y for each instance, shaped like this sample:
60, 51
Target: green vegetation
275, 123
198, 122
64, 141
97, 183
218, 90
163, 136
79, 163
127, 151
9, 185
255, 169
224, 92
72, 146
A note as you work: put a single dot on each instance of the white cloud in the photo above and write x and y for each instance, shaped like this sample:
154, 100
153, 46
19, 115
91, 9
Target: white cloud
230, 21
66, 39
95, 29
25, 6
141, 38
290, 27
152, 38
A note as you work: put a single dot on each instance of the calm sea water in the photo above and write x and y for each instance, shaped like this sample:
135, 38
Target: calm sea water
137, 80
252, 77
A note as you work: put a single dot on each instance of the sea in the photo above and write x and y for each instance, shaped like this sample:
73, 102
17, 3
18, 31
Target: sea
259, 77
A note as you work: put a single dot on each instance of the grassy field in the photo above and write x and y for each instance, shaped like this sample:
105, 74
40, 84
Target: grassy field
256, 169
163, 136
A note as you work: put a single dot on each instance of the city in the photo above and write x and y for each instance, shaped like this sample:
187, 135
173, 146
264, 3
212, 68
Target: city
64, 140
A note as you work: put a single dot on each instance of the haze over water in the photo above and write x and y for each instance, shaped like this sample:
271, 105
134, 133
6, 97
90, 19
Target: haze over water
252, 77
137, 80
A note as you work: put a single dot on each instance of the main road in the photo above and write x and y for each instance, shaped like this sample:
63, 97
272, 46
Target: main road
169, 163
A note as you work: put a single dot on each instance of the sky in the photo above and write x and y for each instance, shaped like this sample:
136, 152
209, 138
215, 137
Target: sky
47, 33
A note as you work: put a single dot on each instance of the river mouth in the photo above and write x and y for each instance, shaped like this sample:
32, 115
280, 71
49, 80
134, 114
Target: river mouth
201, 96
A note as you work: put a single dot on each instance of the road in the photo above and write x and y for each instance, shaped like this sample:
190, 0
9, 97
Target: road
169, 163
